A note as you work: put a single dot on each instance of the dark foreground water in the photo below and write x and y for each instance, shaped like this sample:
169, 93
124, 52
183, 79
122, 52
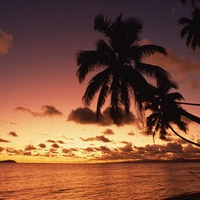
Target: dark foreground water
98, 181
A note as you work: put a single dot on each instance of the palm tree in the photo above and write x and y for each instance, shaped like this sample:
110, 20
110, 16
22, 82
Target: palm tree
119, 59
191, 29
165, 112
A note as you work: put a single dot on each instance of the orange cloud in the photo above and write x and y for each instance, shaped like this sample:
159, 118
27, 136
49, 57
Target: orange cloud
41, 145
30, 147
3, 140
5, 42
51, 141
55, 146
108, 132
97, 138
191, 85
14, 151
1, 149
131, 133
179, 67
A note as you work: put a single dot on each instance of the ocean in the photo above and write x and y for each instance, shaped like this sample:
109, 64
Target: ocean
135, 181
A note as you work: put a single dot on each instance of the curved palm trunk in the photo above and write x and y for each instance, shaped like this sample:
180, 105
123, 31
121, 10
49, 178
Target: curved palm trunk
190, 116
189, 141
190, 104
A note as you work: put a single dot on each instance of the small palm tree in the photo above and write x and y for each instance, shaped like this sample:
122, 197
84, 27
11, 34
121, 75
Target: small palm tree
191, 29
119, 59
165, 112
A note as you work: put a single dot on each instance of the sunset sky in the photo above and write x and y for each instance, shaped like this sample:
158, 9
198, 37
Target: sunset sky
41, 114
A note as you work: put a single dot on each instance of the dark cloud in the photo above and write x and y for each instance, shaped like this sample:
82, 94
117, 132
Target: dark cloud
82, 116
127, 148
102, 138
3, 140
108, 132
14, 151
27, 153
1, 149
66, 150
12, 133
104, 149
53, 150
47, 111
90, 149
88, 139
51, 141
131, 133
41, 145
55, 146
97, 138
51, 111
13, 123
191, 149
88, 116
30, 147
129, 152
61, 142
69, 152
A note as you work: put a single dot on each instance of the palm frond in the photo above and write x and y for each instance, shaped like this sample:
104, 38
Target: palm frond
88, 61
157, 72
93, 87
189, 38
184, 21
103, 24
184, 31
150, 49
175, 96
116, 112
105, 89
125, 96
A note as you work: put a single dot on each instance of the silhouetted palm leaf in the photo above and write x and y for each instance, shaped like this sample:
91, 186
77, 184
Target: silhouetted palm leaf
191, 29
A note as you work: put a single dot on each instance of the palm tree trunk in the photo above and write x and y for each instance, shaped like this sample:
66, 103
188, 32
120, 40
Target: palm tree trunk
189, 141
189, 104
190, 116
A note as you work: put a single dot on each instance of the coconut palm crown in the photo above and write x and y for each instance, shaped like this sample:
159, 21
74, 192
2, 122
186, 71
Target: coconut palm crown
118, 59
191, 29
165, 112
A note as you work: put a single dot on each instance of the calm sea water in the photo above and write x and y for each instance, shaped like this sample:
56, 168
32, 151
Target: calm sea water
98, 181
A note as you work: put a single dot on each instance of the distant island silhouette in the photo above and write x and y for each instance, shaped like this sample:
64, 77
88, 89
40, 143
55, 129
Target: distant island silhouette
8, 161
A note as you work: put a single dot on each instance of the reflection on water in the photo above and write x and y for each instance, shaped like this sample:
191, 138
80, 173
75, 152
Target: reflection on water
98, 181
